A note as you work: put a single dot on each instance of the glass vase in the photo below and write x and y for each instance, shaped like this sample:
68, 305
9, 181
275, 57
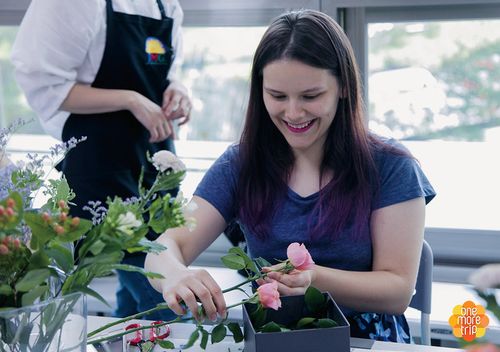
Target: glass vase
58, 324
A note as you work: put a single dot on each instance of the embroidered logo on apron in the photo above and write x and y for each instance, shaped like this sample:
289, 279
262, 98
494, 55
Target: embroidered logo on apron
156, 52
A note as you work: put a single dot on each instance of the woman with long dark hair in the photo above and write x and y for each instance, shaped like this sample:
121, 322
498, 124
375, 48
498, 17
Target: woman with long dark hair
307, 170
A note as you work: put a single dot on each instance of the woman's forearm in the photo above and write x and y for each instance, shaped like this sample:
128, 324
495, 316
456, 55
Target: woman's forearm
371, 291
165, 262
84, 99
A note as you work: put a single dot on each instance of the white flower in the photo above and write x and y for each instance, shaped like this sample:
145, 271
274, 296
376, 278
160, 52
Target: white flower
164, 160
127, 223
487, 276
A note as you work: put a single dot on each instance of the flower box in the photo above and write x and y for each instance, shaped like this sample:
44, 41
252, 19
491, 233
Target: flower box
312, 340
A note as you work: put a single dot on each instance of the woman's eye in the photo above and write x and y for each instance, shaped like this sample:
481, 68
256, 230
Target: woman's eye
279, 97
310, 97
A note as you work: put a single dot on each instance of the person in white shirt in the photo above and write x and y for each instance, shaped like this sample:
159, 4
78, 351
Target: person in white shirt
105, 69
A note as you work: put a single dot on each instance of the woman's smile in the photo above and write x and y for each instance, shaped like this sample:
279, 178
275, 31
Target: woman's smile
300, 127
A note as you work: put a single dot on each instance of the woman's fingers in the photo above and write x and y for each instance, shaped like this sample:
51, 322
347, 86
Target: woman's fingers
172, 301
197, 286
294, 283
216, 294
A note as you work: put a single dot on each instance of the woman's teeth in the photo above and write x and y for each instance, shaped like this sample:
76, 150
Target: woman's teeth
299, 126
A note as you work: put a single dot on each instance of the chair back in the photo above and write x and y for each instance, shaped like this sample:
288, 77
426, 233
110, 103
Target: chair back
422, 298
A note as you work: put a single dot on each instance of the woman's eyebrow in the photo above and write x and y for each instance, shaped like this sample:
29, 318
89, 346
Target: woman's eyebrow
309, 90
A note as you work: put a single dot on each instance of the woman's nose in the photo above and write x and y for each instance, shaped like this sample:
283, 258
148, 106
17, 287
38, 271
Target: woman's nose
294, 110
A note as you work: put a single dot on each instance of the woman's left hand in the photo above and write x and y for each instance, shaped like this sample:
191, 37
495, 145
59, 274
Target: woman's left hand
294, 283
176, 103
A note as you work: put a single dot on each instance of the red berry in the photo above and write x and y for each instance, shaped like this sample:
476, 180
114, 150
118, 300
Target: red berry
4, 249
16, 243
11, 203
62, 204
75, 221
10, 212
63, 217
59, 229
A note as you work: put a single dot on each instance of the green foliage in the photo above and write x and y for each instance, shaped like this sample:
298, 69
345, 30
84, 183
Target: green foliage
314, 299
36, 245
236, 331
471, 77
218, 333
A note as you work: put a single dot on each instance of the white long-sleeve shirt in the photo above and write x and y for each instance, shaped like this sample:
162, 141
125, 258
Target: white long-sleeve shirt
61, 43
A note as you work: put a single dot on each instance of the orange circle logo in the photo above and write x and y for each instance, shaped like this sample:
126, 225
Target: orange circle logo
469, 321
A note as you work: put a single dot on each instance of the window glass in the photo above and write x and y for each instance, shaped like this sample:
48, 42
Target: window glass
436, 87
216, 67
13, 104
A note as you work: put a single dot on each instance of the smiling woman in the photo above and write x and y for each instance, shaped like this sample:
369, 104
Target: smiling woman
306, 170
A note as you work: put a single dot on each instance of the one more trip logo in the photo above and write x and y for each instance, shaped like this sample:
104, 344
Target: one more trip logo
469, 321
156, 52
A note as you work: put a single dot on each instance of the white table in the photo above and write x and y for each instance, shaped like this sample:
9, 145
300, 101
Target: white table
445, 296
181, 332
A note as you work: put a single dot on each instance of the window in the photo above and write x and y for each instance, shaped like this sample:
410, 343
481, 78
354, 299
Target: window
435, 85
216, 68
13, 104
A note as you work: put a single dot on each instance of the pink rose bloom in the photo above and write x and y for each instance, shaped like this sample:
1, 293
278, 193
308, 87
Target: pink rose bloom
483, 348
269, 296
299, 256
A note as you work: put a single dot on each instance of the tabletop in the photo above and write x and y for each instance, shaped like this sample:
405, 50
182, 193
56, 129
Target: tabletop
180, 333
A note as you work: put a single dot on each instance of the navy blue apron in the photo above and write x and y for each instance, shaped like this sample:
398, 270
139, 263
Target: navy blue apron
137, 56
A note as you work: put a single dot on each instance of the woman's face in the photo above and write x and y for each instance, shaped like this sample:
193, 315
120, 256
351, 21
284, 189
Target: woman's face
301, 101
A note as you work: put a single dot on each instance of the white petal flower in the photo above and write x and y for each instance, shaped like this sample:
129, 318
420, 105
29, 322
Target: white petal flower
128, 222
487, 276
164, 160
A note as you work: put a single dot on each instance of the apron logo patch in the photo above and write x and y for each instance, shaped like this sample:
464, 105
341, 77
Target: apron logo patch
156, 52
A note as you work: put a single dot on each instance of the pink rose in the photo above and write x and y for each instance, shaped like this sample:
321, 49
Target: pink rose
269, 296
299, 256
483, 348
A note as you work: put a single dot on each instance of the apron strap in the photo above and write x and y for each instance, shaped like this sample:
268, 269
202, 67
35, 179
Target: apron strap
162, 9
109, 5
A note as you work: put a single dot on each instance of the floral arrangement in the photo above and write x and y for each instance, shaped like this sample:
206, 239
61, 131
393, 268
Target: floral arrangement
265, 297
485, 279
37, 256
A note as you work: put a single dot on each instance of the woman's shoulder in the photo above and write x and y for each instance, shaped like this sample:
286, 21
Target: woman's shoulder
388, 149
231, 154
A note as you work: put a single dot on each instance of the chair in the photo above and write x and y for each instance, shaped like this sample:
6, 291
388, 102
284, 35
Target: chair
422, 297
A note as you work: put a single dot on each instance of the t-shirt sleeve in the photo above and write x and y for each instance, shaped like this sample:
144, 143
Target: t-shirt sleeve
52, 43
218, 186
401, 179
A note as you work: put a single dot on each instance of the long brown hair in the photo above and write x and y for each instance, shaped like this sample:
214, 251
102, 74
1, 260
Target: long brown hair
314, 39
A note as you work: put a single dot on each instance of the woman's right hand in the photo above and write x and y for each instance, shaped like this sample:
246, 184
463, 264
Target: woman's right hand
192, 286
151, 116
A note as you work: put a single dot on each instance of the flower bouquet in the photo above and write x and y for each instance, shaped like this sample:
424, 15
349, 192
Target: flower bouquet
43, 279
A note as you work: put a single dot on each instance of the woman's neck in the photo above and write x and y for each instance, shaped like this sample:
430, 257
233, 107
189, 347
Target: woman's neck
306, 178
